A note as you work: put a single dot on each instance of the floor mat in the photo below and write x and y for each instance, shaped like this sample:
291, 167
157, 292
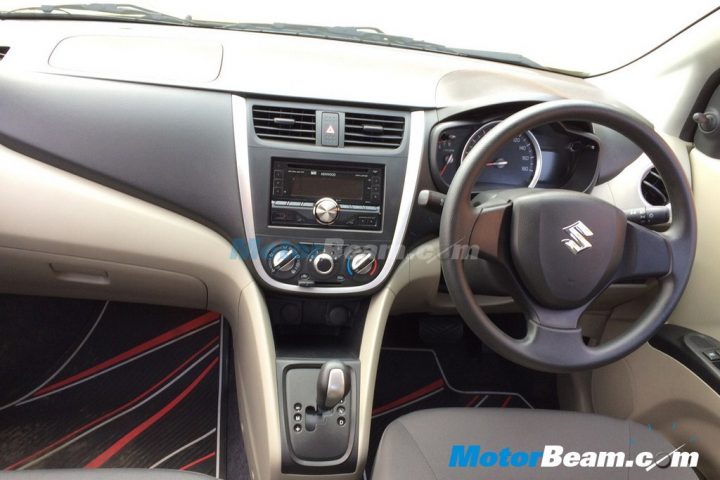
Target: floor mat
412, 379
141, 387
419, 371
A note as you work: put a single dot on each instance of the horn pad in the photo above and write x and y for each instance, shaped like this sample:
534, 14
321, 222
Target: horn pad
565, 246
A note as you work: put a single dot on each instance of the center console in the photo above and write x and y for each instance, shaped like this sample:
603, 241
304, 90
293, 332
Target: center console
350, 198
326, 195
326, 192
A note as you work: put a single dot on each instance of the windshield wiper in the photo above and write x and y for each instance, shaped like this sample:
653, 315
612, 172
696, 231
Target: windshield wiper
115, 11
375, 36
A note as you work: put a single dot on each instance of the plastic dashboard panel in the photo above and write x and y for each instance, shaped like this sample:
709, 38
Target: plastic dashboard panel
171, 146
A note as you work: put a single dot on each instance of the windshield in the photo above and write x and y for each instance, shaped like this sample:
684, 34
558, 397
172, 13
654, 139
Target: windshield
582, 38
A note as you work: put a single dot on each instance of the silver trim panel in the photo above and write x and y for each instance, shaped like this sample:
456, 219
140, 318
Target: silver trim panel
412, 170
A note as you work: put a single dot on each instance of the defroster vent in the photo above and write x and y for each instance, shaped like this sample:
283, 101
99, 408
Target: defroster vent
379, 131
284, 124
3, 52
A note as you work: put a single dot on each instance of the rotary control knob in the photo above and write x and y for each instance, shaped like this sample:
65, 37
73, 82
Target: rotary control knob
326, 210
362, 263
284, 260
323, 263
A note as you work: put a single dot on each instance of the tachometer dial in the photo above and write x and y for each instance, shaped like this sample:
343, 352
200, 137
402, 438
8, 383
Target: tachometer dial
517, 164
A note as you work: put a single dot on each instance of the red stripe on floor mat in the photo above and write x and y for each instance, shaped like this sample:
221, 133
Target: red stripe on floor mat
115, 411
506, 402
472, 401
434, 386
135, 351
101, 459
198, 461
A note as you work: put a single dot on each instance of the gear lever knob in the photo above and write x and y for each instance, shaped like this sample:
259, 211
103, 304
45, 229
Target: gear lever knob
333, 384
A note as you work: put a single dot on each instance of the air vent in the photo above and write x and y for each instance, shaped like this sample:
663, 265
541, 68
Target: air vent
3, 52
284, 124
653, 189
380, 131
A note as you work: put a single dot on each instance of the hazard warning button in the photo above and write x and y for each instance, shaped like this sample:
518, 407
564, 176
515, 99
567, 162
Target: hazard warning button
330, 126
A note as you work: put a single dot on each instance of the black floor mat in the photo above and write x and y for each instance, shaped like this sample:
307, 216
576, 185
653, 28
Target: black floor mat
419, 371
139, 387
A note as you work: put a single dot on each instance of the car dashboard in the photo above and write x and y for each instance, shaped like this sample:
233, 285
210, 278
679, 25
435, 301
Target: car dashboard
272, 178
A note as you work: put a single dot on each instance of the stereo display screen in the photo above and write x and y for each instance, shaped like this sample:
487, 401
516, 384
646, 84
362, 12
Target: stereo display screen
325, 184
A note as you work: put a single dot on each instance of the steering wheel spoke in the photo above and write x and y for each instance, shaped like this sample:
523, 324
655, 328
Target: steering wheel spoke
555, 345
488, 238
557, 319
648, 254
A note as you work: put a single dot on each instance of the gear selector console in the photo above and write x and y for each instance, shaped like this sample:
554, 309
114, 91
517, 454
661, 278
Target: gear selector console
318, 405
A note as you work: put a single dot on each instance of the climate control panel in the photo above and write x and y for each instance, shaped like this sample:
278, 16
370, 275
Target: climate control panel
309, 264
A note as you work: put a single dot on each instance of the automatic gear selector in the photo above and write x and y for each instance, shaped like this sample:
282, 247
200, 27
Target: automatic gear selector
333, 384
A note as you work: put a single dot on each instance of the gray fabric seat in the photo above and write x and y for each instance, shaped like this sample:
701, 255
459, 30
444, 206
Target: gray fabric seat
449, 444
103, 474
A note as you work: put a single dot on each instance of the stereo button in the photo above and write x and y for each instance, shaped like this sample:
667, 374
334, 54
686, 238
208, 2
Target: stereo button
326, 210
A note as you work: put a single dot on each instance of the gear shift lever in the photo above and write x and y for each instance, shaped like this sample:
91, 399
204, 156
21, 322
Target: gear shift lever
333, 384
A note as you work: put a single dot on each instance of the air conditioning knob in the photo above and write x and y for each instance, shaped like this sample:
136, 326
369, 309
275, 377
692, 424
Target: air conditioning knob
362, 263
284, 260
326, 210
323, 263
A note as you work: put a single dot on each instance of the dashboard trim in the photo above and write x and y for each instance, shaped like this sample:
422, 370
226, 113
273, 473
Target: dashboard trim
412, 171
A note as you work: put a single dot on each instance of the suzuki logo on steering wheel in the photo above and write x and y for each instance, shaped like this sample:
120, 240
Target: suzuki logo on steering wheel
578, 242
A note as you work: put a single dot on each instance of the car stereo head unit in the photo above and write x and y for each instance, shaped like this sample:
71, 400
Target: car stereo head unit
326, 195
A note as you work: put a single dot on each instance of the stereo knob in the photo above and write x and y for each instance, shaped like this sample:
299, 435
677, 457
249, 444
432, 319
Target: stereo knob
362, 263
284, 260
323, 263
326, 210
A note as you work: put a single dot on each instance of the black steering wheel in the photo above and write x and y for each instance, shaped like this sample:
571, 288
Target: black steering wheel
559, 250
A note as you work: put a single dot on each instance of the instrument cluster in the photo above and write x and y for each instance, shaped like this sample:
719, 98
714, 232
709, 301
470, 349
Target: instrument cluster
560, 155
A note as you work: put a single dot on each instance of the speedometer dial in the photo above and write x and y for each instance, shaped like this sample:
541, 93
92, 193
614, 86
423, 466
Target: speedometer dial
516, 164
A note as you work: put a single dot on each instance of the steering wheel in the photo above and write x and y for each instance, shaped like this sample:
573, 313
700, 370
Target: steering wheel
559, 250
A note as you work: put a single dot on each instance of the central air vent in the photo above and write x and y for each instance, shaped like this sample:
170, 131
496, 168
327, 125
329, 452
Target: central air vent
380, 131
3, 52
284, 124
653, 189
